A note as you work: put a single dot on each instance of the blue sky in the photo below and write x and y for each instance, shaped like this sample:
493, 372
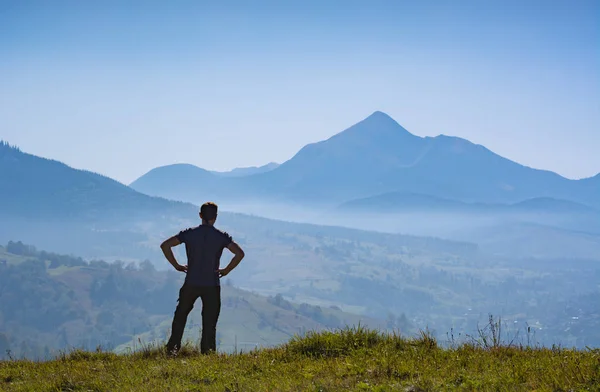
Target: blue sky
120, 87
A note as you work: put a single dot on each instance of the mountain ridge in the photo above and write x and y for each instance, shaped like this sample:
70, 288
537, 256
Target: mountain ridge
247, 171
28, 183
377, 155
412, 202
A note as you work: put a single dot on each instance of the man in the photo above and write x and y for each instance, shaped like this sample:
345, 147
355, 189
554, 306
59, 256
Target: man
204, 245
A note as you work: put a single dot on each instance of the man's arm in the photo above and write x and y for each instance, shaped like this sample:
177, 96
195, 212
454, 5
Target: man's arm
168, 252
238, 255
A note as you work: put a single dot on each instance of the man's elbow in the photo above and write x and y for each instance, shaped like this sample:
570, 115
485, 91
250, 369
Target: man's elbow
240, 253
164, 246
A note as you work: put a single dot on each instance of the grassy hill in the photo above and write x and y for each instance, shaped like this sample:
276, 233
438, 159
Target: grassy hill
351, 359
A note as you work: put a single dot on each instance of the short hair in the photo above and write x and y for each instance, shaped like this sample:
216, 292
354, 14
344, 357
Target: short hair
209, 211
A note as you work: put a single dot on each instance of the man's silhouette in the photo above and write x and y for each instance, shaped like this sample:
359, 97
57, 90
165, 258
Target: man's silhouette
203, 245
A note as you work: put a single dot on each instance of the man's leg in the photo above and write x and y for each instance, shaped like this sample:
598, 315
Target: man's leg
211, 307
187, 297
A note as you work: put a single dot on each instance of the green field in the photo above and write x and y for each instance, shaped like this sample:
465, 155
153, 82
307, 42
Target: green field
351, 359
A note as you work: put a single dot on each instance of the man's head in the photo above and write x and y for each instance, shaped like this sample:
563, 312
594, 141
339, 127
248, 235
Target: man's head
208, 212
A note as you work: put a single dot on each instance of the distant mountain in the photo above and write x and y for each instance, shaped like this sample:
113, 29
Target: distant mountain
539, 227
550, 205
377, 156
248, 171
39, 188
178, 182
193, 184
401, 202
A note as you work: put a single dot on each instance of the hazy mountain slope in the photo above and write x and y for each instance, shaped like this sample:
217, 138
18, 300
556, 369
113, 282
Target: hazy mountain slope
38, 188
551, 205
395, 202
590, 186
349, 163
456, 168
377, 155
247, 171
540, 227
178, 182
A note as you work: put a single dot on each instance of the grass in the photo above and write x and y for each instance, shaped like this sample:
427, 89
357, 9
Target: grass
355, 359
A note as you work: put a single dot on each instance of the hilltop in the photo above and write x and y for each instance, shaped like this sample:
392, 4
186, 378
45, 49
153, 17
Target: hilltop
350, 359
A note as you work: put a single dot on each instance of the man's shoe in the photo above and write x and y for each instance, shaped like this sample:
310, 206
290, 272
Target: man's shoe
172, 352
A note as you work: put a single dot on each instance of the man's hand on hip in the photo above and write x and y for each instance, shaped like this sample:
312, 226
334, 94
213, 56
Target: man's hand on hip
223, 272
181, 268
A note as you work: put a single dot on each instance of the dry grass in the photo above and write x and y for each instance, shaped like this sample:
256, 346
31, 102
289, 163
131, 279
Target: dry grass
351, 359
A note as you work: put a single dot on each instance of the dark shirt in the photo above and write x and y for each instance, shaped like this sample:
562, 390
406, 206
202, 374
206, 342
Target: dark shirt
204, 246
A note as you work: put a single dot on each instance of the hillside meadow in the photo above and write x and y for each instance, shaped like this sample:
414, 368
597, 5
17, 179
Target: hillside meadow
353, 359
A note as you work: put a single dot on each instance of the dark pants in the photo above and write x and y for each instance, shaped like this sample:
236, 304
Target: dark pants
211, 307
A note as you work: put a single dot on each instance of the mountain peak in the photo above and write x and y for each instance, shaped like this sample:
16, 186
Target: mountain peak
378, 118
379, 126
379, 113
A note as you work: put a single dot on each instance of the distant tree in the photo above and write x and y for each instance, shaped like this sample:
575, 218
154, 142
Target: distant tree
104, 289
117, 265
147, 267
60, 260
99, 264
5, 144
19, 248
